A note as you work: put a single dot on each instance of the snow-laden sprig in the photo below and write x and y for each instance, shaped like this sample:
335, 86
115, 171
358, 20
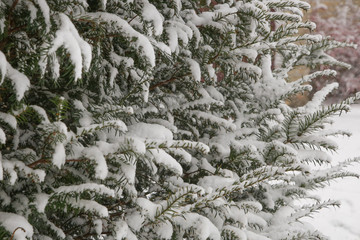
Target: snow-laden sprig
179, 129
14, 169
123, 28
19, 80
68, 37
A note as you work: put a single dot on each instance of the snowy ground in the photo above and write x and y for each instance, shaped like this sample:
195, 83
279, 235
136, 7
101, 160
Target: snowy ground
343, 223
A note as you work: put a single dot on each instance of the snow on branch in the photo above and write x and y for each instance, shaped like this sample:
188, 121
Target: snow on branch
142, 43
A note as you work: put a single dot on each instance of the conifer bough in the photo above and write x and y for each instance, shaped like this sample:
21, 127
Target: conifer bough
152, 119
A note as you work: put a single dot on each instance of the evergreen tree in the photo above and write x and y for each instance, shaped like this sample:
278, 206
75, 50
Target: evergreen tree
155, 119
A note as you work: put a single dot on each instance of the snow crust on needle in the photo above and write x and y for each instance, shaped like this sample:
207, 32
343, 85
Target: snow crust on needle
59, 155
45, 10
212, 118
122, 231
90, 205
142, 42
118, 124
101, 169
32, 9
10, 166
214, 182
148, 207
20, 81
1, 174
151, 131
79, 50
150, 13
195, 69
2, 136
41, 200
41, 112
3, 64
320, 96
204, 228
9, 119
162, 158
172, 38
98, 188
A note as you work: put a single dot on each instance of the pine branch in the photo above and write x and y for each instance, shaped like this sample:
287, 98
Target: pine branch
309, 210
314, 121
47, 160
172, 79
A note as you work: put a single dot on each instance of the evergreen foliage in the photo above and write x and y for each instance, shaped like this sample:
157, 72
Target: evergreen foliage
156, 119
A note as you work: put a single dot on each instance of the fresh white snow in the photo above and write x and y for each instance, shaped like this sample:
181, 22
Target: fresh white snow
195, 69
20, 81
45, 10
3, 64
162, 158
150, 13
93, 153
41, 112
79, 49
41, 200
89, 205
1, 178
2, 137
150, 131
98, 188
59, 155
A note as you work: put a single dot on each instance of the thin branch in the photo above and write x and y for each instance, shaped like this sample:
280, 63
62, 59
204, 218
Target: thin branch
11, 10
16, 29
167, 81
13, 7
77, 160
40, 161
132, 18
13, 234
43, 160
